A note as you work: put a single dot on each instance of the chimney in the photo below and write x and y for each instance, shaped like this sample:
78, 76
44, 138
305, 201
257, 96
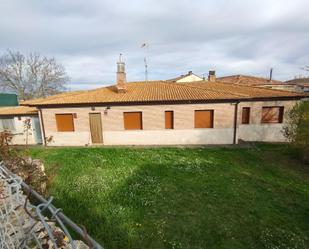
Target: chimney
212, 75
271, 74
121, 76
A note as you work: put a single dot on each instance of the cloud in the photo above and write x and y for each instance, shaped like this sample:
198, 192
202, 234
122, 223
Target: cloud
232, 37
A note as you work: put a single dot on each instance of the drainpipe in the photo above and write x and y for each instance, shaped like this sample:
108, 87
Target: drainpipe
235, 122
42, 126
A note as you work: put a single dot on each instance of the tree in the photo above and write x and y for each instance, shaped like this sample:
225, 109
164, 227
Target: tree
306, 68
31, 76
296, 129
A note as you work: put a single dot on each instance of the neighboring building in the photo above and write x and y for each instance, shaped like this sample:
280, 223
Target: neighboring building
8, 99
246, 80
165, 113
13, 119
189, 77
301, 84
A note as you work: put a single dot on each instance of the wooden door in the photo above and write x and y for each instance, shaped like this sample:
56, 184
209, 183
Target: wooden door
96, 128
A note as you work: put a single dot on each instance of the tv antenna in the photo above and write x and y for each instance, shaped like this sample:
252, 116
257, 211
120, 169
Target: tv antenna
145, 46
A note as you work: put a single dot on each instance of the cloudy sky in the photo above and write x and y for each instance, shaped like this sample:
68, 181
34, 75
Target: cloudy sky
230, 36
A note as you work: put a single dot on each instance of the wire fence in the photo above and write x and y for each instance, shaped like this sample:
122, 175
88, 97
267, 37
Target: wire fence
25, 225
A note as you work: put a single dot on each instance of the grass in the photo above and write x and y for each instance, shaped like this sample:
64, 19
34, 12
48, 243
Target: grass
183, 197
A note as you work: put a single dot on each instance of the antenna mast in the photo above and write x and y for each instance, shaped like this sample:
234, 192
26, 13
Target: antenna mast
146, 46
271, 74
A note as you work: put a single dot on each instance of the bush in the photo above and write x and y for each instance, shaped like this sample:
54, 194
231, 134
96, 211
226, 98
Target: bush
296, 129
20, 163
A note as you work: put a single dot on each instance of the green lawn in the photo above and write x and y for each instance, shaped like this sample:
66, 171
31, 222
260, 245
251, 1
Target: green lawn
254, 197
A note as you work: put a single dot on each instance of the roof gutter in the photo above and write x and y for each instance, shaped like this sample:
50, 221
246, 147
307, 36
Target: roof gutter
43, 128
235, 122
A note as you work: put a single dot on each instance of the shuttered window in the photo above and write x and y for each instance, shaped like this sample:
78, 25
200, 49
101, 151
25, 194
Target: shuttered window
169, 120
133, 120
203, 119
272, 114
65, 122
245, 117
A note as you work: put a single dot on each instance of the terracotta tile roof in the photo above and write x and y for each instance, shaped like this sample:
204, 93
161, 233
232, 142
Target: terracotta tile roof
299, 82
248, 80
17, 110
163, 91
244, 91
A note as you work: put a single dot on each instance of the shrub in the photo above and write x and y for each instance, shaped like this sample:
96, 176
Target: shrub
20, 163
296, 129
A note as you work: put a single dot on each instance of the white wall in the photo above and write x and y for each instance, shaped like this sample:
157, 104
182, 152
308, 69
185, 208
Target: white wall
261, 132
19, 135
190, 78
77, 138
169, 137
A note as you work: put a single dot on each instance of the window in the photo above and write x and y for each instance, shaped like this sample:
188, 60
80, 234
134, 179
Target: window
133, 120
245, 117
169, 120
7, 124
65, 122
272, 114
204, 119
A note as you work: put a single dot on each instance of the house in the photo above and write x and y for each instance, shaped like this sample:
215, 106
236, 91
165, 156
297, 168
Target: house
164, 113
247, 80
8, 99
189, 77
261, 82
300, 84
15, 119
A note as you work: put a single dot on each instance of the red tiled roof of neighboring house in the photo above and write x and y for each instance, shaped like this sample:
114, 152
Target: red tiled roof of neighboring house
163, 91
248, 80
299, 82
17, 110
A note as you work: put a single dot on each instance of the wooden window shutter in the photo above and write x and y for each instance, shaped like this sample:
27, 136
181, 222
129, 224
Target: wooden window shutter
281, 113
65, 122
272, 114
169, 120
203, 119
133, 120
245, 118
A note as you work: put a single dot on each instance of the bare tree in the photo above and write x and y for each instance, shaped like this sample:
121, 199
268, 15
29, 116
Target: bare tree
31, 76
306, 68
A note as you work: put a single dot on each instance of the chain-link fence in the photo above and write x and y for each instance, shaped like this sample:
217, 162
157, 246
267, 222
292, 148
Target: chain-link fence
25, 225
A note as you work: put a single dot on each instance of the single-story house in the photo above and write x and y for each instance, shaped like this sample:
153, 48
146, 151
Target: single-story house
296, 85
164, 113
16, 118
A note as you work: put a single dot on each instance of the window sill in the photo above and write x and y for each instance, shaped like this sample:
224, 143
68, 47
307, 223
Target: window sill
271, 123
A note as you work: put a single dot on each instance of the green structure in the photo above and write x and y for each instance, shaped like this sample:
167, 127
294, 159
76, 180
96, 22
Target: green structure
8, 99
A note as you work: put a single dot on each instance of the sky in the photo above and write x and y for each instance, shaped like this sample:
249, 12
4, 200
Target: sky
229, 36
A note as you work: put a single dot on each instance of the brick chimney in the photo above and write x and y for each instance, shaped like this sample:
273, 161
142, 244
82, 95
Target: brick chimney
121, 76
212, 75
